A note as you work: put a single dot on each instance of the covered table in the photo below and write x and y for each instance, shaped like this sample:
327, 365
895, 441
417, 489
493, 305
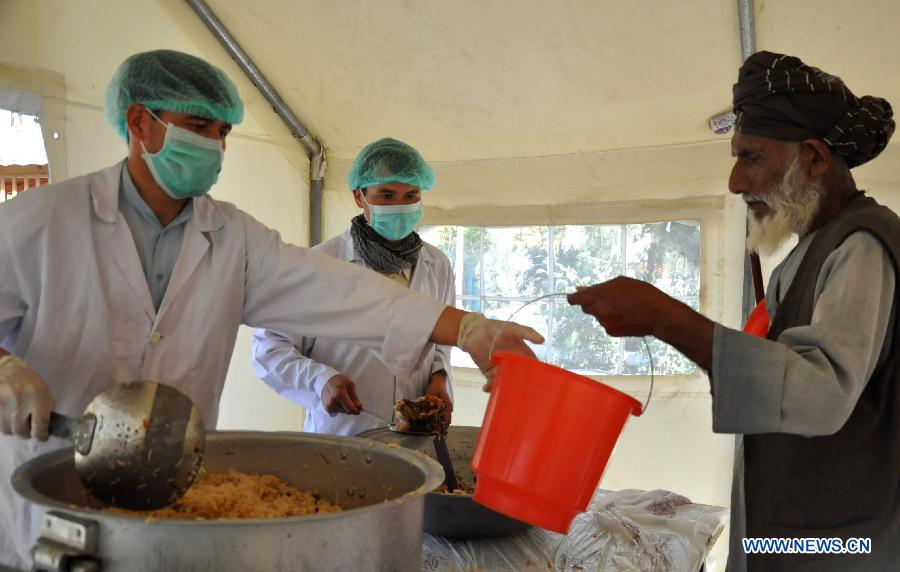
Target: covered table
629, 530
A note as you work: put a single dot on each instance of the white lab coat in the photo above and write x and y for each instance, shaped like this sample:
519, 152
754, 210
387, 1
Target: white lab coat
75, 305
300, 372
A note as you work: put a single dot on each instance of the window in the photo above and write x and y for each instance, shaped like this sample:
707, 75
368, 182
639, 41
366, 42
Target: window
499, 269
23, 159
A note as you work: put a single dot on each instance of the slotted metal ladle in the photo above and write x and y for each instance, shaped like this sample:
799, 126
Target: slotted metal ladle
138, 445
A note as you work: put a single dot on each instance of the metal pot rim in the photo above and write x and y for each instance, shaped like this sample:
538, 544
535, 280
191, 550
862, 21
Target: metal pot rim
431, 470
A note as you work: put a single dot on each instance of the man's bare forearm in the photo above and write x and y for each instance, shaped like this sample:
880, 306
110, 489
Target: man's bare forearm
686, 330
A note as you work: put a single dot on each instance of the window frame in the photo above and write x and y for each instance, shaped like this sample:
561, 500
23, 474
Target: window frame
623, 228
716, 214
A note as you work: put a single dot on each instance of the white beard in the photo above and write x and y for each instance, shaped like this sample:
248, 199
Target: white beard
793, 206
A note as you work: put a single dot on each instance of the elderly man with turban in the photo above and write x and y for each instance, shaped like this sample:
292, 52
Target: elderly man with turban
135, 272
330, 376
816, 403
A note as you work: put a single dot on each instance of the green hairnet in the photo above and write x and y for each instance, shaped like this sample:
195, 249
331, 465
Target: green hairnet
167, 80
389, 161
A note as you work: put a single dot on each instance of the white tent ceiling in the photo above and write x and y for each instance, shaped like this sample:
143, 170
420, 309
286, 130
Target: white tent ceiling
535, 102
485, 80
479, 79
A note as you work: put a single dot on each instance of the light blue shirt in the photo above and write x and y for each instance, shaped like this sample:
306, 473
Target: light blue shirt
157, 246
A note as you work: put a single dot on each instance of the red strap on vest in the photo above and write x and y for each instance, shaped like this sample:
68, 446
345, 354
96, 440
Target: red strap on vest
758, 321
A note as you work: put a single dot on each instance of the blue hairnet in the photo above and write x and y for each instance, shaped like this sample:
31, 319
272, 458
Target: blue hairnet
167, 80
389, 161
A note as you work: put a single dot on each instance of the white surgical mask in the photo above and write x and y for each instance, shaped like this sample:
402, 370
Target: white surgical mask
187, 165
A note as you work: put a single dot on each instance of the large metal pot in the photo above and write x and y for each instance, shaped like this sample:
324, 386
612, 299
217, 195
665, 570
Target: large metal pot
454, 515
382, 489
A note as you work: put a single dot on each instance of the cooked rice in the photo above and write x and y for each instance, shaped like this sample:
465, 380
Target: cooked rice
237, 495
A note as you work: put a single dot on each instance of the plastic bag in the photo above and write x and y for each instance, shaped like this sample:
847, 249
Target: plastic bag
630, 530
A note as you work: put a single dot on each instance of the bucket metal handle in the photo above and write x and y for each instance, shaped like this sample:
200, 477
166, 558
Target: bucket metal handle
520, 308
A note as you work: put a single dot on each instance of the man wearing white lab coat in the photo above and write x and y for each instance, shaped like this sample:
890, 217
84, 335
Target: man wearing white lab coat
81, 263
332, 376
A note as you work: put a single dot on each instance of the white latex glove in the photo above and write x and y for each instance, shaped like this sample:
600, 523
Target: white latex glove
22, 394
477, 334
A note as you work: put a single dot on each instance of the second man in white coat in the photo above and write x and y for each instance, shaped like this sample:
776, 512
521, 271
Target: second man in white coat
334, 377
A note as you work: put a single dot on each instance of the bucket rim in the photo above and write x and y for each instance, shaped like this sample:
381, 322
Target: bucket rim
636, 409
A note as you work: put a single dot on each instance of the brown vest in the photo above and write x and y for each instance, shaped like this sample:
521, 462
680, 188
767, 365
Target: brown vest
845, 485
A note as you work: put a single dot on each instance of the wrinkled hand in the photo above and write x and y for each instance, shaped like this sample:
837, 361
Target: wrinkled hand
25, 400
623, 306
629, 307
339, 396
477, 334
438, 388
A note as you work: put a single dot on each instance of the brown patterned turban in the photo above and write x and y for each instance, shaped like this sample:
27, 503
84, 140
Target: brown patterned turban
779, 97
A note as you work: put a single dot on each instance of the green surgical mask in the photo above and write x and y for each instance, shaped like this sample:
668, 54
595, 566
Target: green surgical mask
394, 222
187, 165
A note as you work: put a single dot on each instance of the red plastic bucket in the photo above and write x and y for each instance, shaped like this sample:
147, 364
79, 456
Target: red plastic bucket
545, 441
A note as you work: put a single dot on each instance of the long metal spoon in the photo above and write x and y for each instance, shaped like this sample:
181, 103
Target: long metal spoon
443, 455
376, 417
138, 445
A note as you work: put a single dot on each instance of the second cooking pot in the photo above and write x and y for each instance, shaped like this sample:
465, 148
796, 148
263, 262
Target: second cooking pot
452, 515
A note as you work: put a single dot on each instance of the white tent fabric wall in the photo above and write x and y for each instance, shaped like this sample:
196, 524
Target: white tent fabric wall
548, 113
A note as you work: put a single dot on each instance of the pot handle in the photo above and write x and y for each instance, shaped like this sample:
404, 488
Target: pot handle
67, 544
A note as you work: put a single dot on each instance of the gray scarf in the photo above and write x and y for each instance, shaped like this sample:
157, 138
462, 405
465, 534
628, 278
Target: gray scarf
378, 254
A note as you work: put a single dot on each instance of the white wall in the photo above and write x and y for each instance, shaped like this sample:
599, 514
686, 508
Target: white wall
68, 51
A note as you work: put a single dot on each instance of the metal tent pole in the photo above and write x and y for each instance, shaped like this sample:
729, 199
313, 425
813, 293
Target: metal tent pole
314, 150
